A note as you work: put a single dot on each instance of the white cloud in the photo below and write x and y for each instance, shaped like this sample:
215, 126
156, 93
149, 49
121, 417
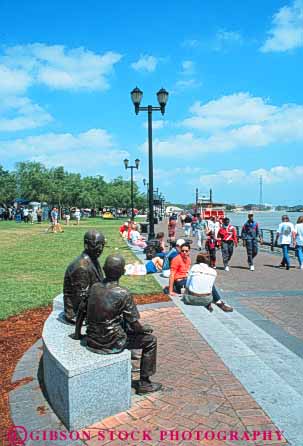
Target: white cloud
145, 63
191, 43
286, 32
275, 175
20, 113
188, 67
225, 40
228, 111
13, 81
229, 36
90, 151
157, 124
58, 67
230, 122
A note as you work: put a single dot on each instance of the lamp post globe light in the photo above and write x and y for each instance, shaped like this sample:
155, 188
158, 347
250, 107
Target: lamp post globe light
162, 96
136, 166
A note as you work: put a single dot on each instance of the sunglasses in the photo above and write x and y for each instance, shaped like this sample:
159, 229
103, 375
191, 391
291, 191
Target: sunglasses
184, 250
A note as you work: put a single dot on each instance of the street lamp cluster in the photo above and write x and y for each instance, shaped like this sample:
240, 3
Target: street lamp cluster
158, 201
162, 96
136, 166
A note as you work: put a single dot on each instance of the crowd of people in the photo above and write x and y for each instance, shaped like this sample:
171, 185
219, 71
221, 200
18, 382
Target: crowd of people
196, 282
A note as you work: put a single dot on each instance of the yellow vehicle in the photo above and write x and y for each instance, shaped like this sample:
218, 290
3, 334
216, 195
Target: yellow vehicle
107, 215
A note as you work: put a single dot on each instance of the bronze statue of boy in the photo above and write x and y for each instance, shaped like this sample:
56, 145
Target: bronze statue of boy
113, 323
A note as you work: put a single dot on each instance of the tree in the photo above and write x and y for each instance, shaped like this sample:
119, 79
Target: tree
32, 181
7, 186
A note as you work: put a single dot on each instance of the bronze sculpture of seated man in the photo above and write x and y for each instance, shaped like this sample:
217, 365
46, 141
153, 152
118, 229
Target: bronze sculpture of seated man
113, 323
82, 273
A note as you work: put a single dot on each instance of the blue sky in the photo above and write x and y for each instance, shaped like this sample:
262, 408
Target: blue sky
233, 71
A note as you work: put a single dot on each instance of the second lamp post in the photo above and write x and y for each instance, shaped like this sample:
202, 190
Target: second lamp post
162, 97
136, 166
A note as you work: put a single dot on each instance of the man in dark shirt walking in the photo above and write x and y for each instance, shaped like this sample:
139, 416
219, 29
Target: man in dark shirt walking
251, 235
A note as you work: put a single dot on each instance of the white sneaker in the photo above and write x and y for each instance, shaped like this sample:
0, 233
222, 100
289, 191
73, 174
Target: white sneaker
226, 268
252, 268
301, 267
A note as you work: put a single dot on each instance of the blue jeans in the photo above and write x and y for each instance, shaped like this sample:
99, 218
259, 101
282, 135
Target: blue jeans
252, 250
285, 259
299, 252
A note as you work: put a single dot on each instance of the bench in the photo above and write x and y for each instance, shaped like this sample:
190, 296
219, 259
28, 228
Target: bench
82, 387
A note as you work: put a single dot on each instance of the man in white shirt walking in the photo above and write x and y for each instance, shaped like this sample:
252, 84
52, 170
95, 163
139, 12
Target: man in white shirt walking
284, 237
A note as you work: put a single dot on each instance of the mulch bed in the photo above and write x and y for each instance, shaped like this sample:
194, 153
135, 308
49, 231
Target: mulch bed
18, 334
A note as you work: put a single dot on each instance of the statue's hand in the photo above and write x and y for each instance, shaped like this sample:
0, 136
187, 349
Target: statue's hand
147, 328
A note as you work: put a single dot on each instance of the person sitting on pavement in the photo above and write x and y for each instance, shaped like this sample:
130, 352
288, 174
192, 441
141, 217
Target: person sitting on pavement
113, 323
154, 265
172, 253
136, 238
179, 269
123, 230
160, 238
228, 236
250, 235
199, 286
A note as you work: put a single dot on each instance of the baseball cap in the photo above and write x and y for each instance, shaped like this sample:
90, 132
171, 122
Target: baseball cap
180, 242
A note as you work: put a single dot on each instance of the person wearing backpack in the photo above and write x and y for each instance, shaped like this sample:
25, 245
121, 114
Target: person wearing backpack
250, 235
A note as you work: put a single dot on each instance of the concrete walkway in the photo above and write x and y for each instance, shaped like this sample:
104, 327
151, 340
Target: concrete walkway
222, 372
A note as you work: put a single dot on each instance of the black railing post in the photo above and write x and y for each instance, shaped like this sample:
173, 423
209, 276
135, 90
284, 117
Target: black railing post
272, 242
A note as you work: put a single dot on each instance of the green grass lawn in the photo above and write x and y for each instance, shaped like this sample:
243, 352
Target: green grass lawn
32, 262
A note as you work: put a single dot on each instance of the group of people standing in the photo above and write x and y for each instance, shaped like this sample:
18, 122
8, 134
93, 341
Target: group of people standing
216, 233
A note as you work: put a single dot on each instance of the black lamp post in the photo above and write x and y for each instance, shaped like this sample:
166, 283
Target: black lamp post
146, 184
162, 200
162, 96
136, 166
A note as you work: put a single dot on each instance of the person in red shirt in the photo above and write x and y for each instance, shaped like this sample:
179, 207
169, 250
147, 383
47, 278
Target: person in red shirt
179, 269
228, 236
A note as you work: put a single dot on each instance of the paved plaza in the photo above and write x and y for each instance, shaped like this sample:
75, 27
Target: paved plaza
240, 373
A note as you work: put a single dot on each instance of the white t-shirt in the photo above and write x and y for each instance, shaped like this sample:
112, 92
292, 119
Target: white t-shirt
211, 225
201, 278
135, 236
299, 232
285, 230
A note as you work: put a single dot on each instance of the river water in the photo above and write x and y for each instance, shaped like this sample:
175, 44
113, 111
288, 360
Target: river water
266, 220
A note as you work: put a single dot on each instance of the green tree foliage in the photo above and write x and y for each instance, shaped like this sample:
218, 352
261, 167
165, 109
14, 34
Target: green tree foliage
7, 185
33, 181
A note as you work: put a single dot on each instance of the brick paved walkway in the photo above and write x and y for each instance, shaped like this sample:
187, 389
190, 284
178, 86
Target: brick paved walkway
200, 393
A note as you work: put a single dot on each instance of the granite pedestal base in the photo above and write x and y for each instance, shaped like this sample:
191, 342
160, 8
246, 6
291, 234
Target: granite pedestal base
83, 387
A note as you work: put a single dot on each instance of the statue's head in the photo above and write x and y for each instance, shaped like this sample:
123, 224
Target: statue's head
114, 267
94, 243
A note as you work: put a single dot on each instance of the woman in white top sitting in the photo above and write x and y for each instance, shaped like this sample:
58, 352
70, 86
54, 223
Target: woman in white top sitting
199, 286
200, 281
136, 239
